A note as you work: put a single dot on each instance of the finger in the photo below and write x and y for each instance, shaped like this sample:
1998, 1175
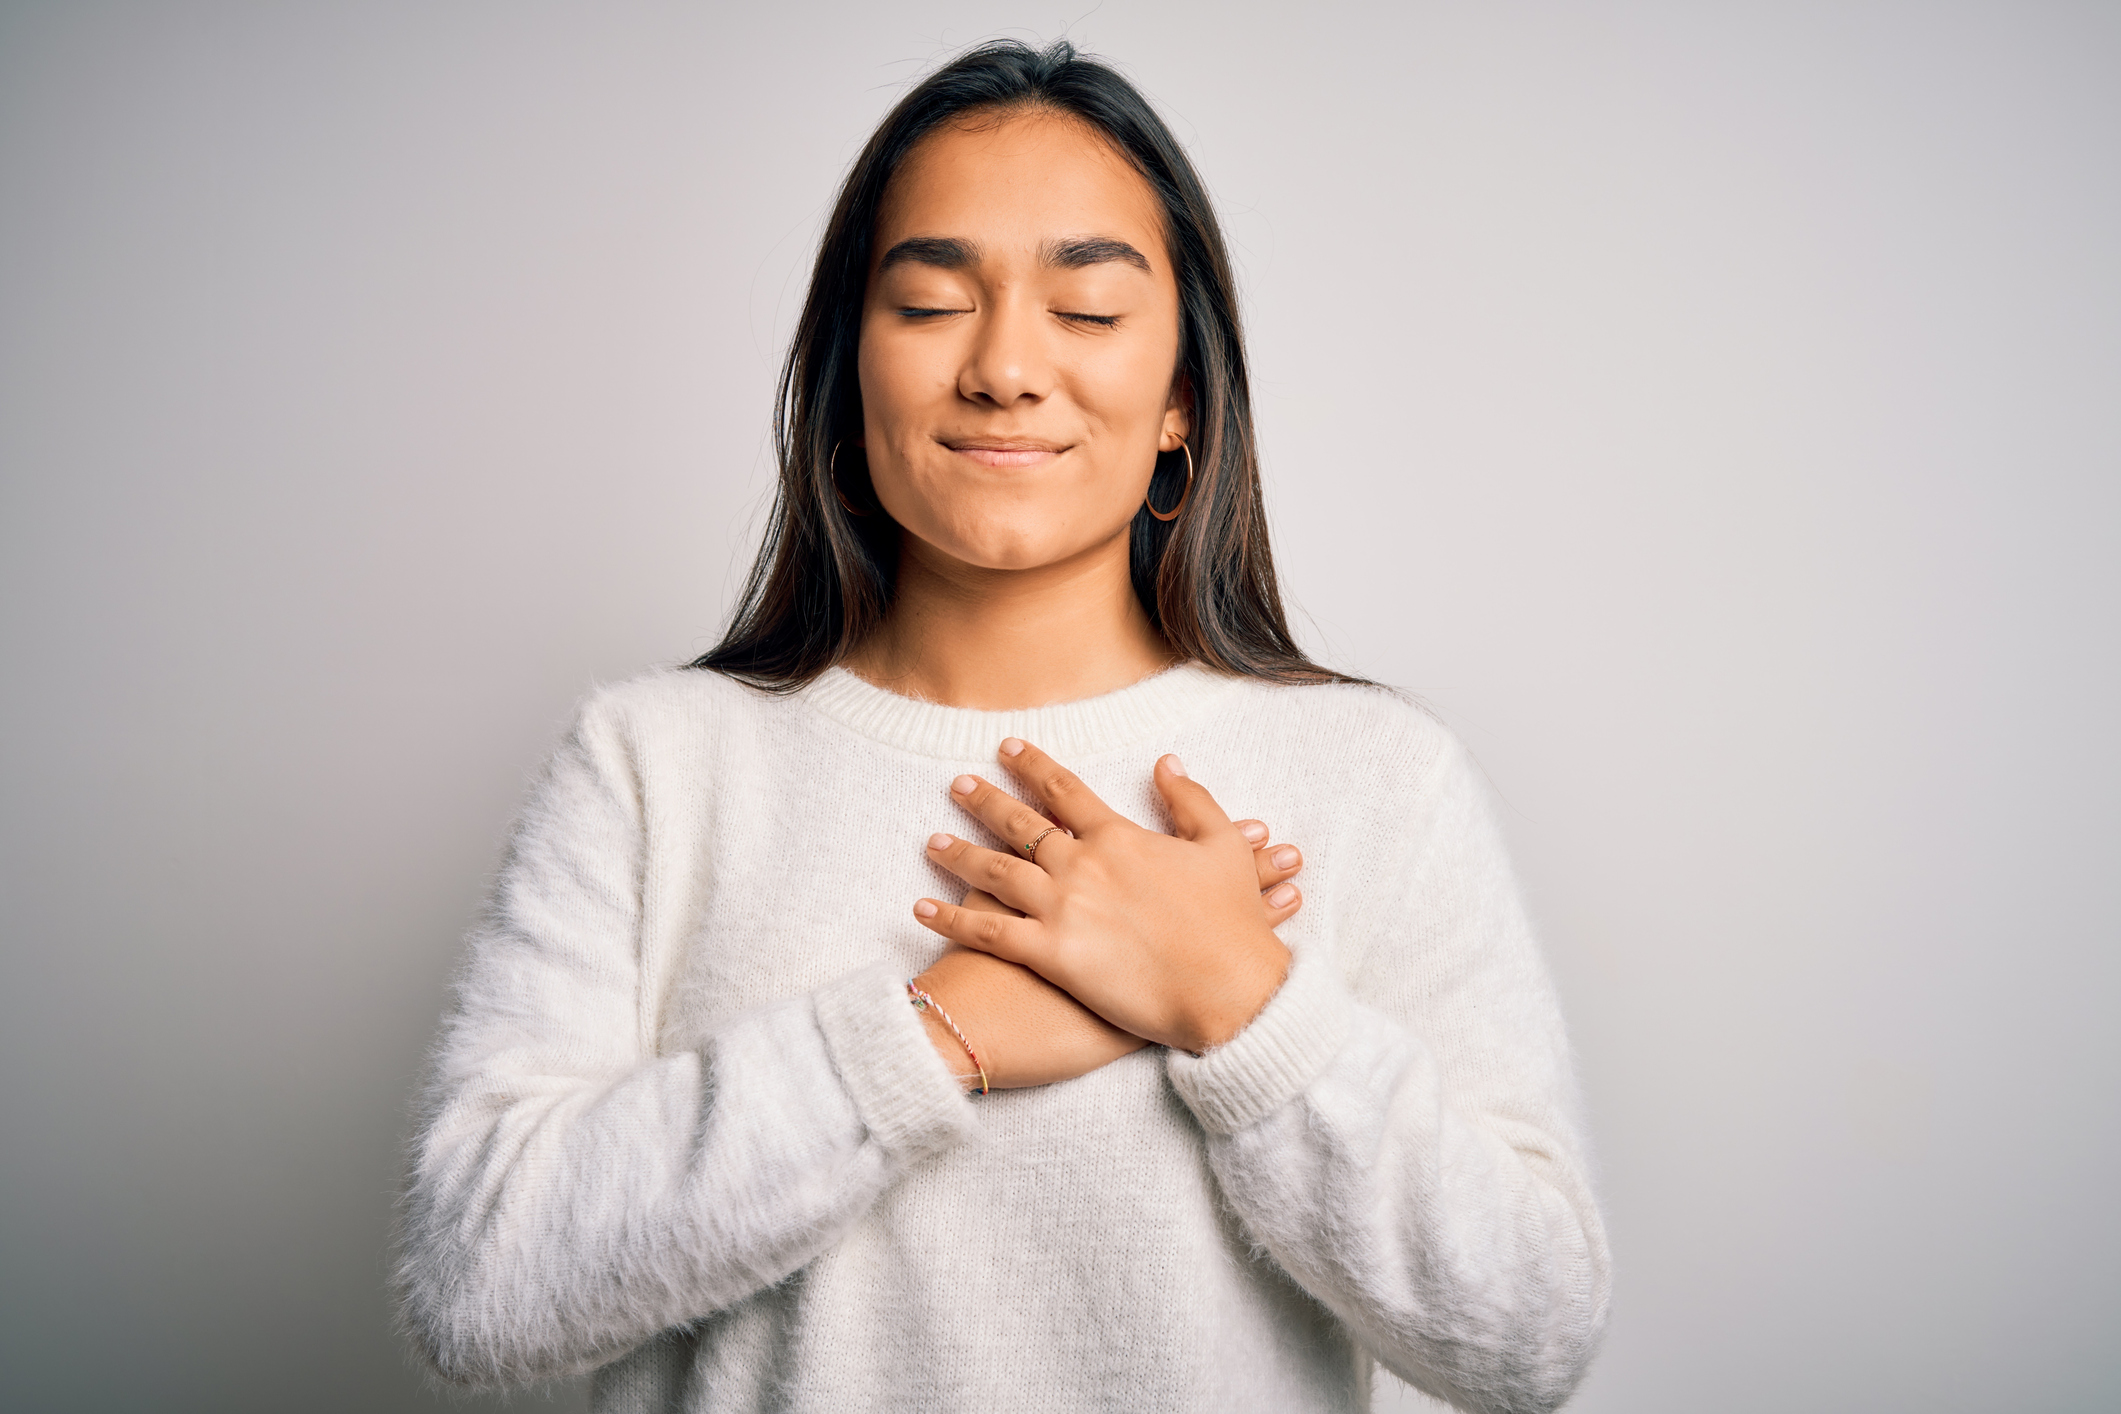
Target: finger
1281, 904
1277, 864
996, 934
1014, 880
1194, 813
1254, 831
1019, 826
1066, 798
980, 901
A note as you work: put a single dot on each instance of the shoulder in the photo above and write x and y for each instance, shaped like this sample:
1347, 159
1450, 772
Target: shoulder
660, 702
669, 723
1352, 732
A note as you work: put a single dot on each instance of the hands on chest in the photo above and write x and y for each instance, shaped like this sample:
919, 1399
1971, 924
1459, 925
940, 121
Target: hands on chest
1094, 936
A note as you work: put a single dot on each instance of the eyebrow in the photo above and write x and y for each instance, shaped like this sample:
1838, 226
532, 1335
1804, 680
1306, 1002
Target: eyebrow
945, 252
1071, 253
1078, 251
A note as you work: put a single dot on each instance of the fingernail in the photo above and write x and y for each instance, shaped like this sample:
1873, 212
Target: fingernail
1284, 858
1280, 898
940, 841
965, 785
1011, 746
1253, 831
1175, 766
925, 909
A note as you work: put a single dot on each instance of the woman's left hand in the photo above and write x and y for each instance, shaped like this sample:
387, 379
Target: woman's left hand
1162, 935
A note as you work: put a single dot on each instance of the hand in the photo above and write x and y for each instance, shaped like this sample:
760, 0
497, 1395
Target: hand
1030, 1032
1027, 1031
1163, 936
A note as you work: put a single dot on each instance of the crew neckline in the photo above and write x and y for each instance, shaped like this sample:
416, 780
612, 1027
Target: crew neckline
1064, 730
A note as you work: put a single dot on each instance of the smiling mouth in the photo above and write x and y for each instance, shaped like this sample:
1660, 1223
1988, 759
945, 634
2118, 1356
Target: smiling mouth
1006, 451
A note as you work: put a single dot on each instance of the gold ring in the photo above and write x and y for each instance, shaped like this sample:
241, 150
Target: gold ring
1031, 849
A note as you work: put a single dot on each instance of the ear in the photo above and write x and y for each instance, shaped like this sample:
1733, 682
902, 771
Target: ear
1178, 415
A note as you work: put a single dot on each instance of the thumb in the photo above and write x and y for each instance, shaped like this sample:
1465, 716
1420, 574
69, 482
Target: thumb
1193, 811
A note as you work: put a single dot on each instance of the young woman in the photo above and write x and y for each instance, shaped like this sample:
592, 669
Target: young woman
1011, 657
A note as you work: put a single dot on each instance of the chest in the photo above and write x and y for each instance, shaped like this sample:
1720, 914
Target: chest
787, 862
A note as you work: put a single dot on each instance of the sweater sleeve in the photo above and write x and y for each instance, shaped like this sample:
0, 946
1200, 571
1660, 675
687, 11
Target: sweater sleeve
1408, 1148
574, 1193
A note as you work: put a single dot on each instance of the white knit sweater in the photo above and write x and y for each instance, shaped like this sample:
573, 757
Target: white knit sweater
684, 1125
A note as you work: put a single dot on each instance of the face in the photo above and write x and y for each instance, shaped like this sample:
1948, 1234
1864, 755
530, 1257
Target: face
1019, 344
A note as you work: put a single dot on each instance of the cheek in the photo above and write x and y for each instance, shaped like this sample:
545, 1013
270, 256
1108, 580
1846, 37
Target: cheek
899, 394
1127, 397
905, 390
881, 373
1133, 374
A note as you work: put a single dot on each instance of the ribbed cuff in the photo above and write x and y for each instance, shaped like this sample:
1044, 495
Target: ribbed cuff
906, 1095
1273, 1059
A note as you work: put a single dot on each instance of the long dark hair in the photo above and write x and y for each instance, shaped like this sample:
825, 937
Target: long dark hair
823, 578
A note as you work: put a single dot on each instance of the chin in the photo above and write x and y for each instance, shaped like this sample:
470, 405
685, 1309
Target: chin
1017, 538
1011, 534
1012, 555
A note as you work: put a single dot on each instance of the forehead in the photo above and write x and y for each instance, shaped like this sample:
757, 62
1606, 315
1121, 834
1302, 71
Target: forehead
1017, 182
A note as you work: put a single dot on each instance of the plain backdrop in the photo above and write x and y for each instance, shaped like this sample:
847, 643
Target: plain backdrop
1711, 407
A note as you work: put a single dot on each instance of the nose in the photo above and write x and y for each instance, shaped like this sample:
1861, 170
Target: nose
1007, 363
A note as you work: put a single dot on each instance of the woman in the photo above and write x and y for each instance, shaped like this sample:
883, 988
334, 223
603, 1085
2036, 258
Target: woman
691, 1125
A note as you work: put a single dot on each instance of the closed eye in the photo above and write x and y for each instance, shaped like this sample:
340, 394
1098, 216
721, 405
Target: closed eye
923, 313
1102, 321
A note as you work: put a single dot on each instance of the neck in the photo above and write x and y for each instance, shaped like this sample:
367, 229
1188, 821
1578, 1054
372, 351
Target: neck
1002, 640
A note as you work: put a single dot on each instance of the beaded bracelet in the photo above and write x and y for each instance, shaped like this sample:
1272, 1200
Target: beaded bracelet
923, 1002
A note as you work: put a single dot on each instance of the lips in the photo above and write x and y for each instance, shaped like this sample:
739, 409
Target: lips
1006, 451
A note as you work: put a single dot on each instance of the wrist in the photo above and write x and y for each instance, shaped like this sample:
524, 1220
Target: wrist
953, 1055
950, 1042
1243, 996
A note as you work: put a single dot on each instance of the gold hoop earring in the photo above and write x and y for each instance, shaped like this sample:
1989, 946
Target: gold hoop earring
1172, 514
832, 474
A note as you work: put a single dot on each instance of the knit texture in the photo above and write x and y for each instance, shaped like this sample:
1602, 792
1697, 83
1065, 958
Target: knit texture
684, 1129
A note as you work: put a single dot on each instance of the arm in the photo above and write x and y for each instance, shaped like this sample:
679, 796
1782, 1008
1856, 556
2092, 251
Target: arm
1416, 1164
1030, 1031
573, 1192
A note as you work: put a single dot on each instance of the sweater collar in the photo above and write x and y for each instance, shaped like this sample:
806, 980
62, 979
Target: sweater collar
1065, 730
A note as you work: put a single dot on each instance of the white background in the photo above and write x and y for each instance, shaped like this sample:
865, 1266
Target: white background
1710, 407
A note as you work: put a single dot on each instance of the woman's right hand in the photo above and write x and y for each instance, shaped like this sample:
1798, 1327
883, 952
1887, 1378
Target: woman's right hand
1030, 1032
